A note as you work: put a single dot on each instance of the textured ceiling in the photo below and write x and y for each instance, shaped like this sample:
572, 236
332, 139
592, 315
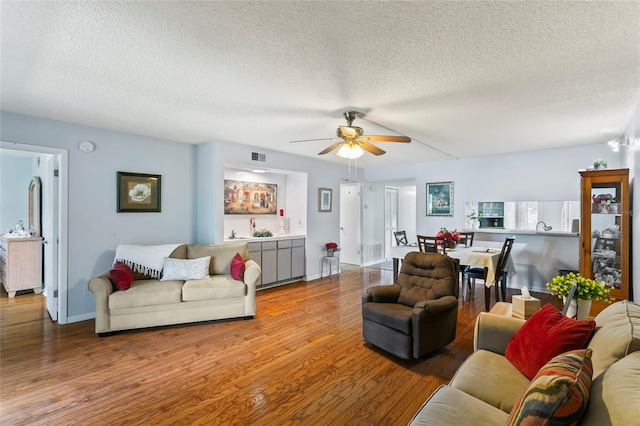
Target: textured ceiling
466, 78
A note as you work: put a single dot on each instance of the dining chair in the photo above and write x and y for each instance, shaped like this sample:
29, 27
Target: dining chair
428, 244
466, 238
401, 238
471, 274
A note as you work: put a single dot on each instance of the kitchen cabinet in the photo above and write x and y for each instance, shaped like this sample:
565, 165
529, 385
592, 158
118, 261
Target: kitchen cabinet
605, 234
281, 260
21, 264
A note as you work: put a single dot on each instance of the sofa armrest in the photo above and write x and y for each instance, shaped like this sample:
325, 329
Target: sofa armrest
436, 306
252, 272
493, 332
102, 288
382, 294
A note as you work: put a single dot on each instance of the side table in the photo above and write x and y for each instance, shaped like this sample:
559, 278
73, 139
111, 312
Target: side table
330, 259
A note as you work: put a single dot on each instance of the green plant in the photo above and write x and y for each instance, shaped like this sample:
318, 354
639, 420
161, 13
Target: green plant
262, 233
587, 289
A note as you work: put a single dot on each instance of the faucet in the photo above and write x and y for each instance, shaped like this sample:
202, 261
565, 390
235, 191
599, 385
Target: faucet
544, 226
233, 234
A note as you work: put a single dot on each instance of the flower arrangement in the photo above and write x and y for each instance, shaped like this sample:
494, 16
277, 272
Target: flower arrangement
587, 289
448, 235
331, 246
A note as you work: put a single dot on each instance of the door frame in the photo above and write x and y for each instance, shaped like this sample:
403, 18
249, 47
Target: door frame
62, 156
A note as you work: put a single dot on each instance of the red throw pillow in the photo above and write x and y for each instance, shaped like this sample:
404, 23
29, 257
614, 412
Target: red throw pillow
121, 276
545, 335
237, 267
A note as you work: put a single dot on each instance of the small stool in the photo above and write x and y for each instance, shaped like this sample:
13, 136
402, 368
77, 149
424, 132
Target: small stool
330, 259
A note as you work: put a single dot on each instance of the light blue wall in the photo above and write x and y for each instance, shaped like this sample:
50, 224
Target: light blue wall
15, 176
321, 227
95, 228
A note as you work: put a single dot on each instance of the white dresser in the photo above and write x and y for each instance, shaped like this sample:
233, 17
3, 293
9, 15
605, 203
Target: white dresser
21, 264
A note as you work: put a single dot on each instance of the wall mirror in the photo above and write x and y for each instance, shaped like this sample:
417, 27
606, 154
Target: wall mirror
35, 207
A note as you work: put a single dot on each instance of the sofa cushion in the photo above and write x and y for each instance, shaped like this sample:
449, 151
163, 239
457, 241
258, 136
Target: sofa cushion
558, 394
221, 255
121, 276
426, 276
546, 334
237, 267
185, 269
180, 252
213, 287
449, 406
617, 334
147, 293
392, 315
615, 395
491, 378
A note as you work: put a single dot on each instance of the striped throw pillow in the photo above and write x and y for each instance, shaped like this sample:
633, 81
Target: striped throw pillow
558, 394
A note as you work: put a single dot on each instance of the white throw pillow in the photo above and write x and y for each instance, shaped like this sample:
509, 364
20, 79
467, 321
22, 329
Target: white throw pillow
185, 269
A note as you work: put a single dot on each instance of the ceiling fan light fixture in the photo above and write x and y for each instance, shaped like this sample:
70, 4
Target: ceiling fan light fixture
350, 151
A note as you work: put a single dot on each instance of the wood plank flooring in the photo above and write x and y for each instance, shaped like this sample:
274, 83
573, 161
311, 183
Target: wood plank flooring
301, 361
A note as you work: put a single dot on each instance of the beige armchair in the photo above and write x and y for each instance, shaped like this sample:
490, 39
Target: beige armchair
418, 315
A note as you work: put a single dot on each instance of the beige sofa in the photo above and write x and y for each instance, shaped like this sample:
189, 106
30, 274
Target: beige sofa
486, 387
152, 302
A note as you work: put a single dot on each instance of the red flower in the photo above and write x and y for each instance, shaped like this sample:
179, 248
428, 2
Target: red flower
331, 245
448, 235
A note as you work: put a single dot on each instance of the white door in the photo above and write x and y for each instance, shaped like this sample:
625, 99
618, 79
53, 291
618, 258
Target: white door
350, 237
390, 219
50, 233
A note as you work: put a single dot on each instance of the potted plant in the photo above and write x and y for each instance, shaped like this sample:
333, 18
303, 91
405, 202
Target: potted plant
586, 291
450, 238
331, 248
600, 164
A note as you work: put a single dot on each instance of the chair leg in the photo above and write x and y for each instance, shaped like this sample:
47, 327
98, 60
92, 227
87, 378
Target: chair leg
503, 286
497, 287
487, 298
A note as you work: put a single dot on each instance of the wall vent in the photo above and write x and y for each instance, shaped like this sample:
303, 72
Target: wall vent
258, 156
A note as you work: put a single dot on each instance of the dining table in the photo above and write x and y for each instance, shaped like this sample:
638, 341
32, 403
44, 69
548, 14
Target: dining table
484, 257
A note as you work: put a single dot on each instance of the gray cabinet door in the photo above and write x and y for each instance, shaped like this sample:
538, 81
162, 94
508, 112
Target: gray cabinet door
255, 254
284, 260
269, 263
297, 259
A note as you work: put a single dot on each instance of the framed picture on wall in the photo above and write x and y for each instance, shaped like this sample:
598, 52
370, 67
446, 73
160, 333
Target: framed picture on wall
138, 192
440, 199
324, 199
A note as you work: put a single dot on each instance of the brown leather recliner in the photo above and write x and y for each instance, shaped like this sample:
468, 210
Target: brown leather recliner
418, 315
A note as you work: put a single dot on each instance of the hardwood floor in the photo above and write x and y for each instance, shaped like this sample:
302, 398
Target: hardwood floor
301, 361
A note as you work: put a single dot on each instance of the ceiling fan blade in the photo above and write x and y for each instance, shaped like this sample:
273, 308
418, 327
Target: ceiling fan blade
331, 148
383, 138
371, 148
319, 139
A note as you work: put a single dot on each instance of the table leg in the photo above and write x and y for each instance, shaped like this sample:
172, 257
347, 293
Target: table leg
395, 269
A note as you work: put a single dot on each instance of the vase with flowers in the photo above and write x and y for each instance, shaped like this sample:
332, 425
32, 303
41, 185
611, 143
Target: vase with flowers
331, 248
449, 238
586, 291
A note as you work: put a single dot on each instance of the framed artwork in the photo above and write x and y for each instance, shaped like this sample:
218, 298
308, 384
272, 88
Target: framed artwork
242, 197
138, 192
324, 199
440, 199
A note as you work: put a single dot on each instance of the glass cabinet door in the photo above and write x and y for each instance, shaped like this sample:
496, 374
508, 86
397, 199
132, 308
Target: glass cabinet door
604, 231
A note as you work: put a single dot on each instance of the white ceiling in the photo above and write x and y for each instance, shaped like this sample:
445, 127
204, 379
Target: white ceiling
467, 78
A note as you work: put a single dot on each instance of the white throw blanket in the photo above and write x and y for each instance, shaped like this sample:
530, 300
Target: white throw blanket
147, 260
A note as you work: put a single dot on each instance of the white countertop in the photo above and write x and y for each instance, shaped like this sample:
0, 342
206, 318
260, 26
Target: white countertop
243, 239
522, 232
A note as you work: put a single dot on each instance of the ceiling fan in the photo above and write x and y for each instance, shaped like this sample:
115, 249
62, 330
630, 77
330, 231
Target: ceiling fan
352, 142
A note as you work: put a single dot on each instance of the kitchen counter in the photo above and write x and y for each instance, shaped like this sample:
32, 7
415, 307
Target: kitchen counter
522, 232
243, 239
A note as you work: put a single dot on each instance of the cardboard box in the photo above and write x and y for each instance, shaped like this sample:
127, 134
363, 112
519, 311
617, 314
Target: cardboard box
524, 308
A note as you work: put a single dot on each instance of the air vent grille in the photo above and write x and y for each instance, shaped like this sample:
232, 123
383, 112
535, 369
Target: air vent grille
258, 156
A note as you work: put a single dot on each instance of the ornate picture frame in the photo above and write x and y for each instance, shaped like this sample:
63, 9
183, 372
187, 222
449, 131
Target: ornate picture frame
325, 198
439, 199
139, 193
241, 197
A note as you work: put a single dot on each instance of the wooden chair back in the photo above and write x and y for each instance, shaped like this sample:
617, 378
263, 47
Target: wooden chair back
466, 238
428, 244
401, 238
504, 256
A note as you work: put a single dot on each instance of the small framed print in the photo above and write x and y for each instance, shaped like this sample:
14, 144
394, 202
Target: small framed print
324, 199
138, 192
440, 199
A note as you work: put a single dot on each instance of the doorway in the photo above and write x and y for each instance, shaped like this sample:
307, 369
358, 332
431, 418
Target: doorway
51, 164
350, 235
390, 218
